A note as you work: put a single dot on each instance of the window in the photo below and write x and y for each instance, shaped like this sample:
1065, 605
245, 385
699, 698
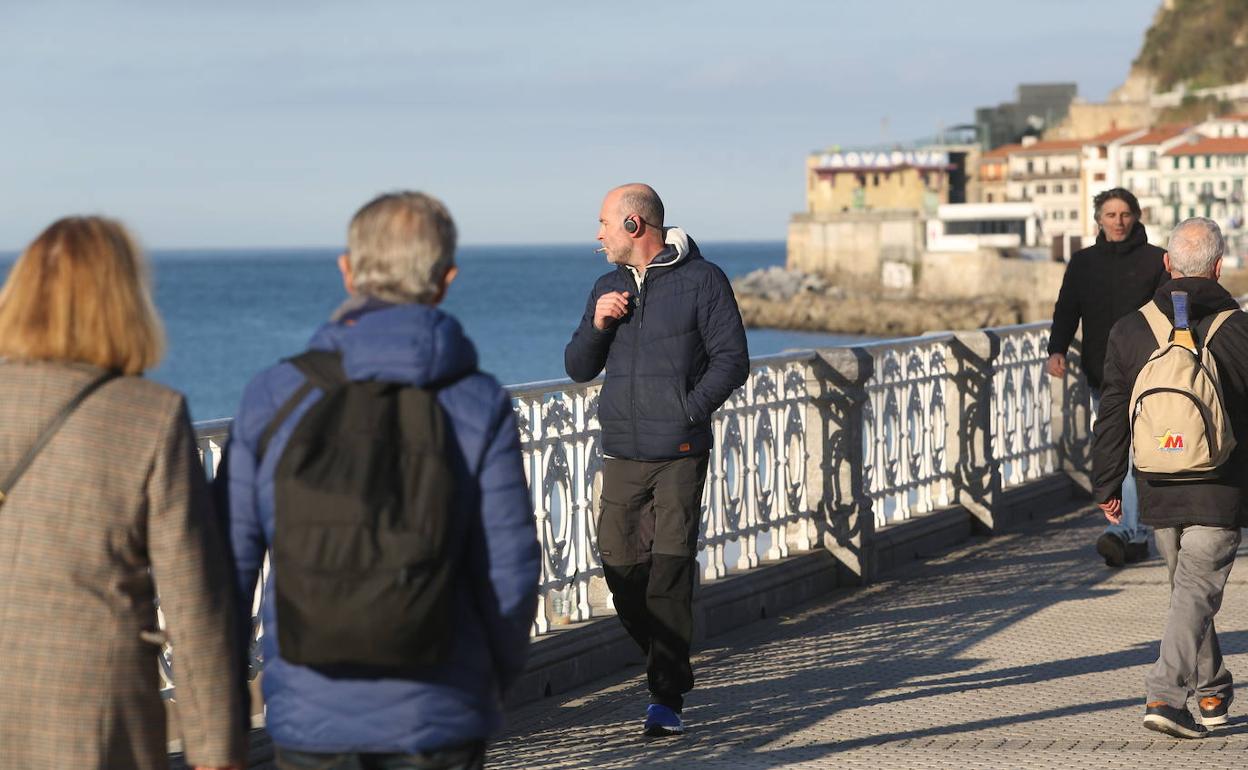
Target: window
1057, 188
1057, 215
1191, 212
1152, 160
1130, 161
1031, 167
1191, 161
1074, 214
1222, 185
1098, 177
1041, 189
875, 180
1191, 187
1074, 187
1153, 186
1176, 163
989, 198
1208, 161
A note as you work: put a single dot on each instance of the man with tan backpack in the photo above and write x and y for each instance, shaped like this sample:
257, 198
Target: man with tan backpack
1176, 395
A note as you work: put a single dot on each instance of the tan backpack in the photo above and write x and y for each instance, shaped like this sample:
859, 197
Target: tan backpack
1179, 426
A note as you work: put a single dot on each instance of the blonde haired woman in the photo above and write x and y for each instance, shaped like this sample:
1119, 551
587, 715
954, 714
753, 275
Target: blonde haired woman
111, 506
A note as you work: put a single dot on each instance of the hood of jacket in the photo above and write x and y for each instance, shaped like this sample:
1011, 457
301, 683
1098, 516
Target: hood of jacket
411, 343
678, 247
1205, 296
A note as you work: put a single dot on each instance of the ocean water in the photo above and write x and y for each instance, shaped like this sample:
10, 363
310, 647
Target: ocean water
230, 313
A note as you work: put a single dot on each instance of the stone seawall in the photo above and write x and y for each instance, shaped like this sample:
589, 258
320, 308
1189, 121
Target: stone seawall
875, 316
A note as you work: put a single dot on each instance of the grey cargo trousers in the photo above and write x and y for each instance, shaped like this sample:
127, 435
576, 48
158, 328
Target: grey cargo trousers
1199, 559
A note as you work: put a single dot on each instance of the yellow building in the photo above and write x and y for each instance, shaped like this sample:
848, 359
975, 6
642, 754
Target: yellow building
876, 181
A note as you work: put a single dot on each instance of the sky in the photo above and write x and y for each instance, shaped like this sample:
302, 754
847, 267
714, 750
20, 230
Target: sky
267, 124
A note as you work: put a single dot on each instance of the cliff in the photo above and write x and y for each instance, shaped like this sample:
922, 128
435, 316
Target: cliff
1194, 44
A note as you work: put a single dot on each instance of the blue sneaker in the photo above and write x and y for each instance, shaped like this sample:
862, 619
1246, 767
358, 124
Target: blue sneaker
661, 720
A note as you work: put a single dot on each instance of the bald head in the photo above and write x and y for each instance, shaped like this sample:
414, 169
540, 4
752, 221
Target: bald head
640, 200
1195, 247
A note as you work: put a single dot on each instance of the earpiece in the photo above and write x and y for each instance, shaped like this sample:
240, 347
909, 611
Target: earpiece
630, 225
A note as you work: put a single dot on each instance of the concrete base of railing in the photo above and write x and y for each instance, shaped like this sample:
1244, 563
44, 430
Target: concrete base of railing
579, 653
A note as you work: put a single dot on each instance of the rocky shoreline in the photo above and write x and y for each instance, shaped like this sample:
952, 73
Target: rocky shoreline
776, 298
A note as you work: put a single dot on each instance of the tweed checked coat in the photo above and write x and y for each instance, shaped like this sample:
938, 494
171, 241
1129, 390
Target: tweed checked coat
114, 507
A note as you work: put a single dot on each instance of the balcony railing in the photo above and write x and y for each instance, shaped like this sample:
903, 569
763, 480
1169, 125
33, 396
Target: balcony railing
817, 449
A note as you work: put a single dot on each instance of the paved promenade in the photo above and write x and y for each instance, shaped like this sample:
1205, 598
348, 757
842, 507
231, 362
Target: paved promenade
1019, 651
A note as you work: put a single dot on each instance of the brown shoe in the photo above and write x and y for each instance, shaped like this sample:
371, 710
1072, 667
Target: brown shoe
1172, 721
1214, 710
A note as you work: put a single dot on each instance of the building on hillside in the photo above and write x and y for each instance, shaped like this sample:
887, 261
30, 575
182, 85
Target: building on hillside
1048, 174
1038, 106
1204, 177
875, 180
1141, 172
1225, 127
1101, 169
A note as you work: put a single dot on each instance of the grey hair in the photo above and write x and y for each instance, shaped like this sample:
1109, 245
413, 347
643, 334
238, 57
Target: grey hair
400, 246
642, 200
1195, 246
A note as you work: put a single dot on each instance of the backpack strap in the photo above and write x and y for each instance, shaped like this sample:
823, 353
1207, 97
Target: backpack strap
1158, 322
321, 369
1218, 320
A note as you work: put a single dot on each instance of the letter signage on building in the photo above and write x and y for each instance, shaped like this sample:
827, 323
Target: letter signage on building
870, 159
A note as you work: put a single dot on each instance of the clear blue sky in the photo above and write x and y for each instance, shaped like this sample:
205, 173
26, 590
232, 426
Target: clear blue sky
226, 123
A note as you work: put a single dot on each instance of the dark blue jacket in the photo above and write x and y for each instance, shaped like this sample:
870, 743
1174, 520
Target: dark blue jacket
497, 594
672, 361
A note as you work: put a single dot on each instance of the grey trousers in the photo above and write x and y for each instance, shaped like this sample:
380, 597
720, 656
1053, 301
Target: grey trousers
1199, 560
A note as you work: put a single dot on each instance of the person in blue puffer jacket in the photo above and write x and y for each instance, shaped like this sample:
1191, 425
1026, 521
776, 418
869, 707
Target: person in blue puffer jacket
396, 271
665, 326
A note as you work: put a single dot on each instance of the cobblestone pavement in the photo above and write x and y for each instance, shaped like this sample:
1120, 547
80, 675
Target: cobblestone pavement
1021, 650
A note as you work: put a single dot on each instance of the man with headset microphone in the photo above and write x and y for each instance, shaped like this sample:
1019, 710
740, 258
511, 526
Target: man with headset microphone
665, 325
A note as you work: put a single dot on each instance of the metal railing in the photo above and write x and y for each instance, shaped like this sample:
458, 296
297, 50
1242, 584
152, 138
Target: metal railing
817, 449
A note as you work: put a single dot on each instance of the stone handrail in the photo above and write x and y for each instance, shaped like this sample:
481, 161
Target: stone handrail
818, 449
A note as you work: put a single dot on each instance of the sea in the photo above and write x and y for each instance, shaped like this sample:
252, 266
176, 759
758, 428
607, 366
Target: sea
230, 313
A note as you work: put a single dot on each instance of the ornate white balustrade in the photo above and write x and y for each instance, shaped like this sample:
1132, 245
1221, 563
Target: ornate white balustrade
817, 449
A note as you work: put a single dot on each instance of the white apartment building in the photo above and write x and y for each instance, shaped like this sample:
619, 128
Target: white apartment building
1204, 177
1225, 127
1047, 173
1142, 174
1102, 170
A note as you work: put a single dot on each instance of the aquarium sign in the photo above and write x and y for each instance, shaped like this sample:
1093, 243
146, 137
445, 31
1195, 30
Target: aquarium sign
884, 160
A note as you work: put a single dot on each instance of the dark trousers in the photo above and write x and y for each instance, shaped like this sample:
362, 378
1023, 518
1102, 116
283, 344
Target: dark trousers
651, 513
469, 757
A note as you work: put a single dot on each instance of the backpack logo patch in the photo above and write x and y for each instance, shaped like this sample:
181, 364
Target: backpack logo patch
1170, 442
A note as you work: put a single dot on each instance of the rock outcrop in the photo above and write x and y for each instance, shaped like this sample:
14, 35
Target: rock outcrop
781, 299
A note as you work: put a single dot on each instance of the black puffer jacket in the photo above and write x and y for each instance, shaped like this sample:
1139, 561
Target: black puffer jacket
1103, 283
671, 361
1172, 504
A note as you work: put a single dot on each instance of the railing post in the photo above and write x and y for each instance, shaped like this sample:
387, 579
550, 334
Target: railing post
835, 478
1071, 417
970, 425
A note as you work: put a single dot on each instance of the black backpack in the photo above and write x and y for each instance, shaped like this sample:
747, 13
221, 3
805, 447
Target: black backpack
362, 497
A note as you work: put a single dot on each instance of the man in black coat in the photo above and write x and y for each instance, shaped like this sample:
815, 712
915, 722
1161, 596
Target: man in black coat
665, 325
1104, 282
1197, 522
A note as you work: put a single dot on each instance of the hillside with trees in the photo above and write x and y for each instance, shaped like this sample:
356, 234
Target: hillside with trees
1196, 44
